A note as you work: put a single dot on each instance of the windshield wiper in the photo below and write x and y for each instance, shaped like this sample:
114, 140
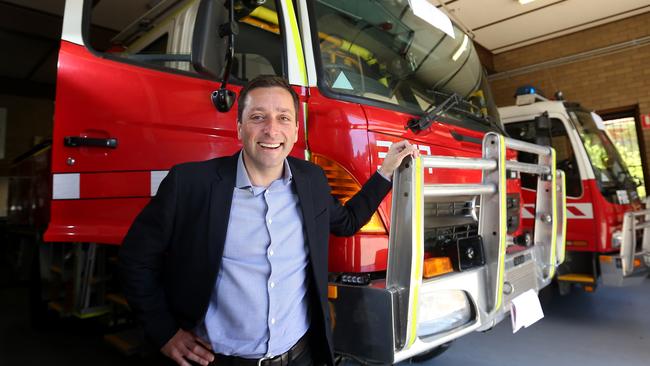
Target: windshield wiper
453, 102
422, 123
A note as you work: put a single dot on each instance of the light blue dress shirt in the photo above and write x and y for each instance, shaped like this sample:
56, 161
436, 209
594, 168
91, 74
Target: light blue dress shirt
259, 305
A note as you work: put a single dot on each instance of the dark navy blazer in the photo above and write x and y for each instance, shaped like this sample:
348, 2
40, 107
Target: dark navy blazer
171, 255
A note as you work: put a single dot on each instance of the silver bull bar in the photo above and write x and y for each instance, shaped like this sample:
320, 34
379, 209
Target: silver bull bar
631, 266
632, 223
486, 288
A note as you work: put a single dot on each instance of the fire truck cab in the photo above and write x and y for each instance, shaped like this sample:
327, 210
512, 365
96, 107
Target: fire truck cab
445, 253
607, 238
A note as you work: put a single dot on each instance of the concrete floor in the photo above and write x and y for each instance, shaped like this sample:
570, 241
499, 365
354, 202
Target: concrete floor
608, 327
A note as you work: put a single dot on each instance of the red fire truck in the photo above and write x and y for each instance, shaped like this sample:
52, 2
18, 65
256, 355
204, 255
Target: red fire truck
152, 83
607, 238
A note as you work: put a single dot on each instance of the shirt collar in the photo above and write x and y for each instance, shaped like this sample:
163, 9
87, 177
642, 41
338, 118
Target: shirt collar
243, 181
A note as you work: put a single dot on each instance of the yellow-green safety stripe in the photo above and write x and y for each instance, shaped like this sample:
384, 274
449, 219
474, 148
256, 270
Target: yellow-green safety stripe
297, 42
502, 219
551, 272
418, 255
562, 251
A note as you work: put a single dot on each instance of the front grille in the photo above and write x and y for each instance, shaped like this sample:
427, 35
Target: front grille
439, 214
446, 222
448, 234
462, 208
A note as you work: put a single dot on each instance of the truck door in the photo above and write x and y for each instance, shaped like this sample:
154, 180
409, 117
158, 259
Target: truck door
580, 213
129, 106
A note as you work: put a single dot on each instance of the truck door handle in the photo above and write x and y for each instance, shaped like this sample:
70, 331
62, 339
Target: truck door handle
76, 141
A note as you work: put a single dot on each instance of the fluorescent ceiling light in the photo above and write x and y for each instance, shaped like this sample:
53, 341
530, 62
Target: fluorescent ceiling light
432, 15
524, 2
461, 49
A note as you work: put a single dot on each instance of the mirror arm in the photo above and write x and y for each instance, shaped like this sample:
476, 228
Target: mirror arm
229, 29
223, 99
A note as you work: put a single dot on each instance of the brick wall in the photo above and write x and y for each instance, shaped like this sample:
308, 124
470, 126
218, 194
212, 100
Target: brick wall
600, 83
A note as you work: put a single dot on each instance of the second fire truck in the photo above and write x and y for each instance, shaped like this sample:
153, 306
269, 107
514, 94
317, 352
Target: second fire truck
607, 233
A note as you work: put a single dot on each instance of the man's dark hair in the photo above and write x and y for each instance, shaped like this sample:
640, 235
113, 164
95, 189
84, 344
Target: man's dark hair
265, 81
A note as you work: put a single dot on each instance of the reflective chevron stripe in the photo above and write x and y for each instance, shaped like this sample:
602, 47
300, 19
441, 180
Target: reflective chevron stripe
71, 186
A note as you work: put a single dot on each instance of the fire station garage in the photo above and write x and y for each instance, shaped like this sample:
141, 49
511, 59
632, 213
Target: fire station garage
519, 235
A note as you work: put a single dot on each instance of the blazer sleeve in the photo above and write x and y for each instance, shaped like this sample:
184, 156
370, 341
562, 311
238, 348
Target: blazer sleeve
141, 259
346, 220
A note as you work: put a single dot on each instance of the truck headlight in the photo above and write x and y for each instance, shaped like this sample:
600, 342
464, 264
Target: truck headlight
442, 311
617, 239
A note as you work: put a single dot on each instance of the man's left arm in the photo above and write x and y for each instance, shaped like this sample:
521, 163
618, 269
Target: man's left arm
346, 220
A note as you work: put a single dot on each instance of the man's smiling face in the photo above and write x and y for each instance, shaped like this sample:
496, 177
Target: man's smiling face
268, 129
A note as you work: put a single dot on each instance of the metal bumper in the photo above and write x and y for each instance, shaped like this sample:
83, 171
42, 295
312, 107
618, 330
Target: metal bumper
366, 322
383, 322
632, 264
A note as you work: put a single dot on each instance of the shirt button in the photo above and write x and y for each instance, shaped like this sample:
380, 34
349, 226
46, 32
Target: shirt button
271, 252
272, 284
272, 320
270, 221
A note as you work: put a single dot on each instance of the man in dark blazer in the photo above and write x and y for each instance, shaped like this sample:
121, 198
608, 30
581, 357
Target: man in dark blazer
171, 261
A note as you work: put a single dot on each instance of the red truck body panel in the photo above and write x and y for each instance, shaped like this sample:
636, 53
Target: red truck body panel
161, 119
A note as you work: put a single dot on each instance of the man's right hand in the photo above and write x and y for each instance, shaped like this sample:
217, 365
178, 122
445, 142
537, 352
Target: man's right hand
185, 346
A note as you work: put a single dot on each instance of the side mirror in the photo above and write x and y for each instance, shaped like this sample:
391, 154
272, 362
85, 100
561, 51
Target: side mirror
209, 47
213, 47
543, 129
543, 122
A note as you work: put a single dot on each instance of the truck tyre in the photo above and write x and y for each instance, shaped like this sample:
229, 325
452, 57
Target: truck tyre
423, 357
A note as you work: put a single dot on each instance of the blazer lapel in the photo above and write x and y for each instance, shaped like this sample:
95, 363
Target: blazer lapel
221, 190
303, 188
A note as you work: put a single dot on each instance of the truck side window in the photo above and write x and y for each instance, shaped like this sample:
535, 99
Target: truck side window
564, 154
159, 34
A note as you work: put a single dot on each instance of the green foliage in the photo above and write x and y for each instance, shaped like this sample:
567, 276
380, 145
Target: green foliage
623, 134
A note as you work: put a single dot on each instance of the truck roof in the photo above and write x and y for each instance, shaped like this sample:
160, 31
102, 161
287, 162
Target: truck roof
516, 112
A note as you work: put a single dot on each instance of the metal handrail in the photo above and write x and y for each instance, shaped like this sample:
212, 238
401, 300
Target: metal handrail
457, 163
527, 168
440, 190
527, 147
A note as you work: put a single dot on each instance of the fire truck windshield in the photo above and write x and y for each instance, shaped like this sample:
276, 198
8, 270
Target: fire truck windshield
610, 170
380, 52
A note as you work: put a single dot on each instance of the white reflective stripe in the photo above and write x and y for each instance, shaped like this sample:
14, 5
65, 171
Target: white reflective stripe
382, 154
382, 143
65, 186
424, 149
305, 27
72, 22
579, 211
576, 211
528, 211
156, 177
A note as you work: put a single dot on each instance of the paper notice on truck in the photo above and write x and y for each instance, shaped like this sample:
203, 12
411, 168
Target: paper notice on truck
525, 310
